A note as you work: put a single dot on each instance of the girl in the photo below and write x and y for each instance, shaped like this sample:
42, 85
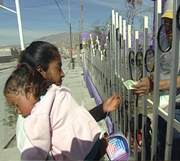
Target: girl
56, 123
45, 58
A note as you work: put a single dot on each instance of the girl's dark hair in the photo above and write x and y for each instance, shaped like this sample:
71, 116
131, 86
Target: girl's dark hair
21, 78
39, 53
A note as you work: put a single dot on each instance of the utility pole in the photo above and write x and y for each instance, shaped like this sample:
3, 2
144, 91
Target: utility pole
18, 19
71, 63
19, 24
81, 17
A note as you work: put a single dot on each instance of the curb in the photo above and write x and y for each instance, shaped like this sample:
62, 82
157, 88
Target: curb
6, 68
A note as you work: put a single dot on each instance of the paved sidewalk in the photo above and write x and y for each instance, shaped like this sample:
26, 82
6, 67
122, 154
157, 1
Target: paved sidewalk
73, 80
7, 65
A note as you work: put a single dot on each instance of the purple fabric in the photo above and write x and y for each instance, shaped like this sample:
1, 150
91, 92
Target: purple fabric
94, 94
110, 125
92, 90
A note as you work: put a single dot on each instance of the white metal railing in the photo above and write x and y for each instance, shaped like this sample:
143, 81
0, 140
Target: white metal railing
109, 68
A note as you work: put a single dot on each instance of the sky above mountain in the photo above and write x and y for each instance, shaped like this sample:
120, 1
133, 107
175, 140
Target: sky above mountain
46, 17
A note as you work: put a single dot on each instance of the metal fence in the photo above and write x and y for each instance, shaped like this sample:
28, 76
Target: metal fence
119, 62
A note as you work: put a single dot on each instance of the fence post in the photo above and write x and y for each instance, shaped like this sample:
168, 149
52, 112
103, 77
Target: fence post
113, 45
144, 98
129, 91
136, 43
112, 58
109, 63
120, 76
156, 79
116, 69
173, 84
124, 74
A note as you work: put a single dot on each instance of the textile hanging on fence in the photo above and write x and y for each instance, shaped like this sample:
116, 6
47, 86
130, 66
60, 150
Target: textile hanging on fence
94, 94
118, 148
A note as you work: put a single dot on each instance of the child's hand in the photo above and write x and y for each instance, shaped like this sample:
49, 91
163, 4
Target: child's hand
113, 102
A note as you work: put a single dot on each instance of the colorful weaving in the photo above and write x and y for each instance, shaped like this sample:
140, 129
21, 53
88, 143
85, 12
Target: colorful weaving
118, 148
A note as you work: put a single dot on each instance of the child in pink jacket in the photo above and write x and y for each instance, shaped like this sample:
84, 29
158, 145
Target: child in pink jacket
54, 122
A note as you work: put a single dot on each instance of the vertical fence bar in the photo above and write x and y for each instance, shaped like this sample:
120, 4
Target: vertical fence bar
97, 63
113, 52
120, 69
144, 98
129, 91
113, 43
109, 62
101, 65
116, 69
173, 84
107, 65
104, 72
116, 44
91, 58
124, 74
111, 56
156, 79
117, 51
136, 97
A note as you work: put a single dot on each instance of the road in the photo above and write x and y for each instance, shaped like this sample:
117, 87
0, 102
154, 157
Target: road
6, 132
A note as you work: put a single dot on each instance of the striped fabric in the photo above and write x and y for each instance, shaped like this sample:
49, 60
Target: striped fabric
118, 148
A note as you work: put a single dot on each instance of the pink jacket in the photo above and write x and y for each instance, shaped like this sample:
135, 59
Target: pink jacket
58, 124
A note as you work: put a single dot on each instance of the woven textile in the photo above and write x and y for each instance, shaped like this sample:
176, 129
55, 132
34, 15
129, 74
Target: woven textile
118, 148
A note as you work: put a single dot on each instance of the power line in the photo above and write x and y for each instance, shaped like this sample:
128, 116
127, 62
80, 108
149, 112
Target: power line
61, 12
48, 5
40, 5
7, 38
11, 24
29, 20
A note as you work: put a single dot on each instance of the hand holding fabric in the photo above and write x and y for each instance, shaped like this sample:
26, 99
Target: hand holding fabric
113, 102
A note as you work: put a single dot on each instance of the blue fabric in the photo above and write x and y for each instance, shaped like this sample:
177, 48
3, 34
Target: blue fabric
162, 125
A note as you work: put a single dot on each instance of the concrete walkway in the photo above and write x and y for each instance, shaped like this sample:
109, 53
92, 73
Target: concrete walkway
73, 80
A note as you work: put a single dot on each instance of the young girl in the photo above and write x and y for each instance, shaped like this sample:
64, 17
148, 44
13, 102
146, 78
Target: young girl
45, 58
56, 123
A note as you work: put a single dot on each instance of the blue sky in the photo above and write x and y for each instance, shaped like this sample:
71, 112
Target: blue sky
43, 17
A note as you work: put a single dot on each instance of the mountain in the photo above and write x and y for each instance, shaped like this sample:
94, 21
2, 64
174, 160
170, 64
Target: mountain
62, 40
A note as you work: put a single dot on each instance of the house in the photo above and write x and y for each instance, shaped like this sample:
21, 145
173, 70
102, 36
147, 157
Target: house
8, 54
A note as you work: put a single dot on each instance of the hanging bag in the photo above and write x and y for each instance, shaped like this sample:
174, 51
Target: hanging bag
118, 148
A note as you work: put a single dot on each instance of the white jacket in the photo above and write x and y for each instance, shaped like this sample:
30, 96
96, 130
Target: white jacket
58, 124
